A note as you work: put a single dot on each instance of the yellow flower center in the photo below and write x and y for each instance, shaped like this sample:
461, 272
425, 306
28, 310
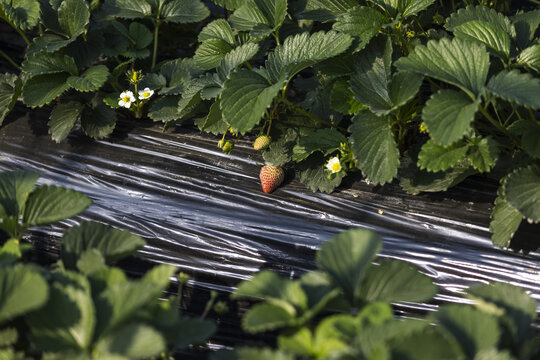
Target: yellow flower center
126, 99
336, 167
145, 94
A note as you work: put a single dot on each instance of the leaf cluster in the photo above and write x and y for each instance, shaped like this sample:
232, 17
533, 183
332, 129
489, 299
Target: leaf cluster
421, 92
83, 307
343, 311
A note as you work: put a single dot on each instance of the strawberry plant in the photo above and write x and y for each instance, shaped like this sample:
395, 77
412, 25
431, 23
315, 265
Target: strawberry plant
343, 311
82, 307
423, 93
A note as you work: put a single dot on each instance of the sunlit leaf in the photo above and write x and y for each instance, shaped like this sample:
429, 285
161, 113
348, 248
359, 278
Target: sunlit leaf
346, 258
48, 204
73, 16
395, 281
42, 89
434, 157
133, 341
374, 146
490, 35
91, 80
523, 191
23, 289
448, 115
113, 244
63, 119
458, 62
10, 89
516, 87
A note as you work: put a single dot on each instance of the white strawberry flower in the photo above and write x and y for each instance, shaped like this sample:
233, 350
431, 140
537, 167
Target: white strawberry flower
126, 98
145, 94
334, 165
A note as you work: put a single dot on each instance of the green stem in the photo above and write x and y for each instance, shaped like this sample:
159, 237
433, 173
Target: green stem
154, 55
10, 60
498, 125
209, 304
23, 35
276, 36
248, 65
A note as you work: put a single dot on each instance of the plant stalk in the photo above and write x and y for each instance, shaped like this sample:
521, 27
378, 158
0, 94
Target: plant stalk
154, 55
498, 125
10, 60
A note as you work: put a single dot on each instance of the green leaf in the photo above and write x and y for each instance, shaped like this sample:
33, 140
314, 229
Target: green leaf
67, 321
361, 22
493, 354
529, 130
303, 50
523, 191
429, 344
48, 43
519, 308
281, 149
63, 118
24, 14
140, 35
235, 58
314, 175
458, 62
505, 219
530, 57
434, 157
473, 329
480, 13
246, 96
217, 29
412, 7
73, 16
396, 281
372, 82
483, 153
269, 286
342, 99
8, 336
112, 243
247, 353
44, 63
324, 140
23, 289
346, 258
372, 75
191, 331
516, 87
248, 16
127, 9
526, 24
91, 261
165, 109
48, 204
14, 189
91, 80
42, 89
448, 115
134, 341
213, 122
119, 302
266, 317
183, 11
414, 181
98, 121
374, 146
210, 53
10, 252
485, 33
10, 89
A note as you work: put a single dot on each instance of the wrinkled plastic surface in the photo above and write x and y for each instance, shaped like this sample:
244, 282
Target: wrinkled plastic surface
204, 212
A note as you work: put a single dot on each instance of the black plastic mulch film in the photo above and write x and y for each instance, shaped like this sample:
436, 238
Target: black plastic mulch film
203, 211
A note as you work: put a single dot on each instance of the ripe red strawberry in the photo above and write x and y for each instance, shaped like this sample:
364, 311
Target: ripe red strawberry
271, 177
261, 142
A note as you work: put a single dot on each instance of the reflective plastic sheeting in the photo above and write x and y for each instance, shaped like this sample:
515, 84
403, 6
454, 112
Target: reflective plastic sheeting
204, 212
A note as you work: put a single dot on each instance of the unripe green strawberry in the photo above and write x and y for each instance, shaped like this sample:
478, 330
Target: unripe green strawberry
228, 147
261, 142
271, 177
